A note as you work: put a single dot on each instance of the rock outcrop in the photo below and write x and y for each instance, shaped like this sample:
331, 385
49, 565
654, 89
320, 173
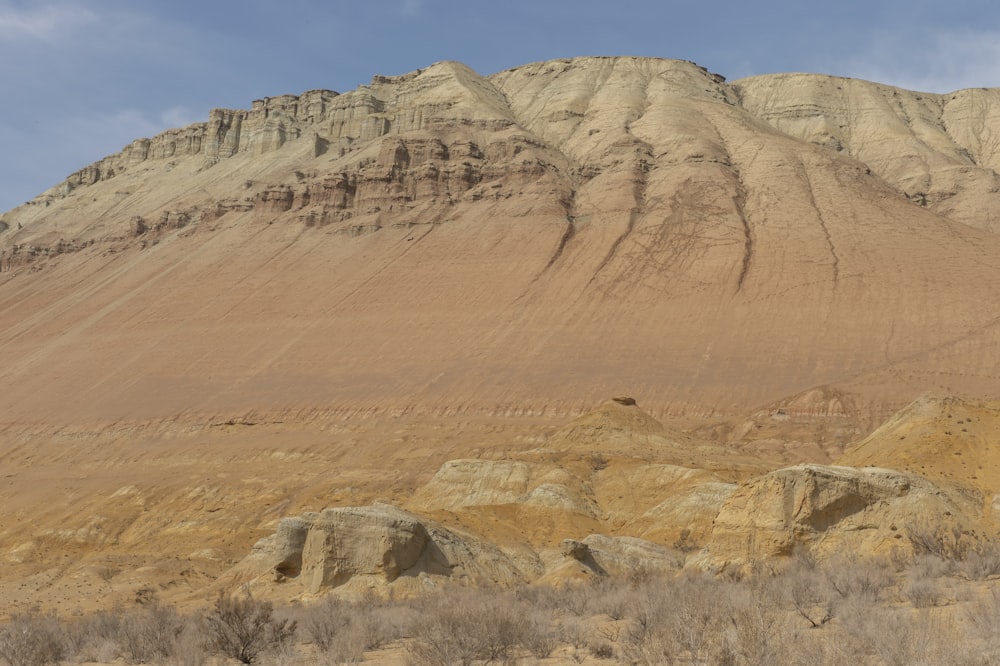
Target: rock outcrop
525, 242
321, 300
621, 556
373, 546
477, 483
946, 439
829, 510
931, 148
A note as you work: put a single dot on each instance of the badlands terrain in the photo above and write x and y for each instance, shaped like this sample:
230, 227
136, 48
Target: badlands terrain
579, 318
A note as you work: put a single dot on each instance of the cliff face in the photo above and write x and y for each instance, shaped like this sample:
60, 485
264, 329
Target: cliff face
526, 242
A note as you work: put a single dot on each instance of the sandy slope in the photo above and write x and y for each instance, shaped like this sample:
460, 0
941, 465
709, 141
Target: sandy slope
442, 264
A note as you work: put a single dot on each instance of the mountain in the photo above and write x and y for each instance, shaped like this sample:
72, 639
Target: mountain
532, 241
417, 292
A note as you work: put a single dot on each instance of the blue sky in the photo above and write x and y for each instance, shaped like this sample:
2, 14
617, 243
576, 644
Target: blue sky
80, 79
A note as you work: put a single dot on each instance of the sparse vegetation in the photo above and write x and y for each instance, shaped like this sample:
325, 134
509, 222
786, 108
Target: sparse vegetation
841, 611
470, 626
31, 640
242, 627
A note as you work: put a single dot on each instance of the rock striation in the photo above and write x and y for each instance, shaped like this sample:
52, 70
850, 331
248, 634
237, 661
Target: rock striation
531, 240
372, 546
418, 290
830, 510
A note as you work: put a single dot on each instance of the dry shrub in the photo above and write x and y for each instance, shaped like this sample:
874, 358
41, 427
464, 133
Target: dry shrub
944, 542
244, 628
982, 562
147, 633
573, 631
922, 592
539, 637
326, 623
466, 626
869, 633
97, 637
931, 566
189, 649
150, 633
343, 631
31, 640
980, 620
673, 618
906, 637
863, 579
810, 593
755, 635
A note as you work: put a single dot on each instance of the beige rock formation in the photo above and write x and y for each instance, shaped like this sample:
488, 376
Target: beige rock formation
371, 547
320, 301
934, 149
947, 439
623, 556
832, 510
527, 242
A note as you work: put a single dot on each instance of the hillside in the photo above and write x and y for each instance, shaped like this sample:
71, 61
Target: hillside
531, 241
423, 292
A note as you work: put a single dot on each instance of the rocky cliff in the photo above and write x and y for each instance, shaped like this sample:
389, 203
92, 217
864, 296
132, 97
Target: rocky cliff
532, 240
408, 291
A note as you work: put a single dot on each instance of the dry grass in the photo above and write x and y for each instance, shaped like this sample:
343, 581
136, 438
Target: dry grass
842, 612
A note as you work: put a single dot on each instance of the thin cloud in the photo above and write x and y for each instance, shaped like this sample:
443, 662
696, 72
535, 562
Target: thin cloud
43, 24
179, 116
932, 62
121, 127
411, 7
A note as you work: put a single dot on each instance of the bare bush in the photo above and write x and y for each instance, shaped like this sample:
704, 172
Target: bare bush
99, 637
474, 625
31, 640
942, 541
678, 619
150, 633
244, 628
979, 623
982, 562
905, 638
865, 579
343, 631
810, 594
189, 650
931, 566
922, 592
755, 635
539, 637
326, 623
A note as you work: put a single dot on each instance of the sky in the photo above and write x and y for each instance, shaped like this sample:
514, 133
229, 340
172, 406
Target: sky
81, 79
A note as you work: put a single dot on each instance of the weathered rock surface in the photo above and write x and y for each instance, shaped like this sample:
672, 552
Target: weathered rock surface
624, 556
931, 148
371, 546
831, 509
523, 243
476, 483
321, 300
946, 439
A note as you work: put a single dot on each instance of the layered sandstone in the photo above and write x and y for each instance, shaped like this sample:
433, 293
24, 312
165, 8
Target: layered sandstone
408, 291
527, 242
832, 510
374, 546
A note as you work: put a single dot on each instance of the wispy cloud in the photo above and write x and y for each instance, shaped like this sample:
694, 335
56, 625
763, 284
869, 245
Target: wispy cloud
178, 116
931, 61
411, 7
46, 23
